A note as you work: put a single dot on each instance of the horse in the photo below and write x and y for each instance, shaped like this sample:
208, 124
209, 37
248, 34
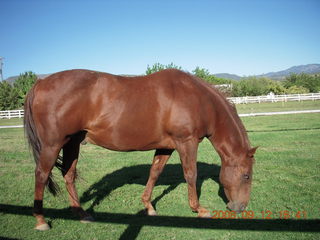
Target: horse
164, 111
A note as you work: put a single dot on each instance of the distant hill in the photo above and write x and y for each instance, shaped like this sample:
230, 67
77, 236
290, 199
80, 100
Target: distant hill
309, 69
227, 76
11, 80
280, 75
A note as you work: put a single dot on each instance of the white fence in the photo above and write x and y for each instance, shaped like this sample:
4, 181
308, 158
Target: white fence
275, 98
277, 113
12, 114
237, 100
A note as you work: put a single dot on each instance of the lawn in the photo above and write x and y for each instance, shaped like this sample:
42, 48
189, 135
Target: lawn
285, 189
10, 122
278, 106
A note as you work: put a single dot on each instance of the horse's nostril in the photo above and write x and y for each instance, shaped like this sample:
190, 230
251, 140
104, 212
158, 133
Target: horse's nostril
230, 206
242, 207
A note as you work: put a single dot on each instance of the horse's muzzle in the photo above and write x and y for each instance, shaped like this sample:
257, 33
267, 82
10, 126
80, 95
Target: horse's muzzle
236, 206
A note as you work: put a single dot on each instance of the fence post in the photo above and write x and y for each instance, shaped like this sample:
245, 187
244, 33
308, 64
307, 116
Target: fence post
9, 114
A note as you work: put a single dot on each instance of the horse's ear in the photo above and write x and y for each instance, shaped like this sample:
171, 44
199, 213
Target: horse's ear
252, 151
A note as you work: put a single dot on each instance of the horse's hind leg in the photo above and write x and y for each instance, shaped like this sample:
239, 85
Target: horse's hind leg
160, 159
69, 163
47, 159
188, 156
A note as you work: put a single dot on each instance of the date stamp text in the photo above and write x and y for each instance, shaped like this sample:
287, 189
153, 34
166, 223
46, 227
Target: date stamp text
266, 214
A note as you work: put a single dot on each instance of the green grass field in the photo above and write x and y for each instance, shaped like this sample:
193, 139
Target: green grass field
286, 185
278, 106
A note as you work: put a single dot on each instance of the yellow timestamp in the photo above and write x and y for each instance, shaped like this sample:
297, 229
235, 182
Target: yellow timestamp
265, 214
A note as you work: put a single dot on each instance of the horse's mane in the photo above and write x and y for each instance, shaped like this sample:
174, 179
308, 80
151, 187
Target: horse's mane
229, 106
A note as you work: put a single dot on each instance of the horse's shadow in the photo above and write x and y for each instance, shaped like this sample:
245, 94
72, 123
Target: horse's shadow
172, 176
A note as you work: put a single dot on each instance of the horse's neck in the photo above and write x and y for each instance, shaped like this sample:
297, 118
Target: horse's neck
229, 138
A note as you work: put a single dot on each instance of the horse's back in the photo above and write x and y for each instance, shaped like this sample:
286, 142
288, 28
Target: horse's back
120, 113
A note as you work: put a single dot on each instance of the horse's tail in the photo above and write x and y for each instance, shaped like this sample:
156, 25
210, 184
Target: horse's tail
33, 138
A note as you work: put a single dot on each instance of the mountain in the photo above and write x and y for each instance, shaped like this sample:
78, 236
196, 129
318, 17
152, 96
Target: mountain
11, 80
227, 76
309, 69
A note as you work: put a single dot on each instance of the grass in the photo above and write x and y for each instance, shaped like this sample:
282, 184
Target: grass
278, 106
286, 178
10, 122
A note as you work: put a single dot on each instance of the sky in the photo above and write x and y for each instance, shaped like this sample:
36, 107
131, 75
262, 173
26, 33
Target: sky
243, 37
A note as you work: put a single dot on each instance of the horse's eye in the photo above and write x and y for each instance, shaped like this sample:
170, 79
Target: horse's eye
246, 176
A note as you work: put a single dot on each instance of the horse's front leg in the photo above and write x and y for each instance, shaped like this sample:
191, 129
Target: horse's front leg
160, 159
188, 156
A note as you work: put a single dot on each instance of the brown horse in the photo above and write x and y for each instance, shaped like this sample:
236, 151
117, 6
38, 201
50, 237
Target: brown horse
166, 111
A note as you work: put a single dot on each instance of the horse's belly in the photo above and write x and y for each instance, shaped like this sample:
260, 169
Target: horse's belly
130, 141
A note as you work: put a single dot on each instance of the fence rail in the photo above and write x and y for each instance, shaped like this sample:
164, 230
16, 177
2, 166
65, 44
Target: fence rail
11, 114
236, 100
276, 98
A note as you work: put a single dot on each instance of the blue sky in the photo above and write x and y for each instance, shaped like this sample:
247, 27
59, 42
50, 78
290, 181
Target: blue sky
123, 37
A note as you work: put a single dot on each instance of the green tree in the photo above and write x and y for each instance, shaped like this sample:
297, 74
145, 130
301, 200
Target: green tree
201, 73
251, 86
205, 75
9, 97
276, 87
158, 67
296, 90
23, 84
310, 82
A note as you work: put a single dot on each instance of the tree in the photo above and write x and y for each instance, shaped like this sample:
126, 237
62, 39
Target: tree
23, 84
158, 67
276, 87
310, 82
9, 97
205, 75
296, 90
251, 86
201, 73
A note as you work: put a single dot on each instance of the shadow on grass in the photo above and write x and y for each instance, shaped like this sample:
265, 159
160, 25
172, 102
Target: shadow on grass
172, 176
139, 220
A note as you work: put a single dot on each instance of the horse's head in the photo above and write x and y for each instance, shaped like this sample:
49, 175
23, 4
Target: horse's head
236, 178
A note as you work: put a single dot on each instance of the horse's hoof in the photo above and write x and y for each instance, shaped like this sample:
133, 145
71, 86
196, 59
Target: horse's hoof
87, 219
152, 212
203, 213
42, 227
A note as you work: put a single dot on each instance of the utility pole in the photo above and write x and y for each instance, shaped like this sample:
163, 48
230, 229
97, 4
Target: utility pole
1, 76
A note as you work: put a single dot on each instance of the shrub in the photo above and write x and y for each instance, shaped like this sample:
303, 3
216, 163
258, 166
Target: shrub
296, 89
158, 67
